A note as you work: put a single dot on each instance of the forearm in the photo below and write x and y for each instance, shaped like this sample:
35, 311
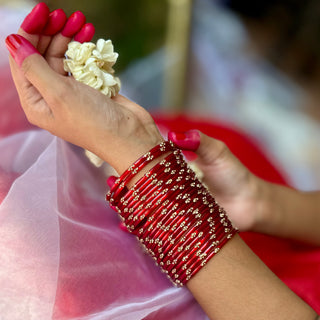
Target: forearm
235, 284
289, 213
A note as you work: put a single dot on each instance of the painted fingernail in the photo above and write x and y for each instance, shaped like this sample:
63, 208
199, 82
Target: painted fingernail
113, 208
74, 24
85, 34
190, 155
56, 22
189, 140
111, 180
123, 227
36, 19
19, 48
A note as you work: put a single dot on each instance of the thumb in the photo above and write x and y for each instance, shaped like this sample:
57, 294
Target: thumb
34, 67
208, 149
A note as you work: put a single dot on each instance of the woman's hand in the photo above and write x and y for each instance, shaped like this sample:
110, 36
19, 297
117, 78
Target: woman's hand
117, 130
233, 185
252, 204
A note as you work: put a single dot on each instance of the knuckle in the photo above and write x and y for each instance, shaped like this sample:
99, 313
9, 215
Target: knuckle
221, 150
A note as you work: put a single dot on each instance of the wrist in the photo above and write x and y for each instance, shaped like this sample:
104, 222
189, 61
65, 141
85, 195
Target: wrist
130, 151
128, 145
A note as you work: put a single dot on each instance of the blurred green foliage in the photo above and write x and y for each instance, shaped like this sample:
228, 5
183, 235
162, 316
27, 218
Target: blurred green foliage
136, 28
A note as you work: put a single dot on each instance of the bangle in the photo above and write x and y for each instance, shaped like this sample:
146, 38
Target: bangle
172, 213
132, 171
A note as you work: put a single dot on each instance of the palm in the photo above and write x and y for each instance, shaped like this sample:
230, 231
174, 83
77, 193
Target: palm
53, 48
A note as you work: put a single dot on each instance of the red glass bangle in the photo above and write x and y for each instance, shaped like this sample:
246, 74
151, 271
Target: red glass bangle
174, 216
178, 233
146, 184
190, 245
152, 174
201, 263
126, 177
161, 217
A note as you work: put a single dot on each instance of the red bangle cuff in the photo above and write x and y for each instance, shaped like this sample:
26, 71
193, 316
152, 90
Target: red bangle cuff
172, 213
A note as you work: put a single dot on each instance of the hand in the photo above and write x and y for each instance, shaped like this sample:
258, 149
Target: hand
117, 130
232, 184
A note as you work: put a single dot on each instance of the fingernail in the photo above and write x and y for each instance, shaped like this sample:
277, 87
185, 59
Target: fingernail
111, 180
123, 227
189, 140
19, 48
190, 155
85, 34
74, 24
36, 19
56, 22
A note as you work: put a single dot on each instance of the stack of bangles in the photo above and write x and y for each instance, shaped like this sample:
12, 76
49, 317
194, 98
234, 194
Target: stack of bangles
172, 213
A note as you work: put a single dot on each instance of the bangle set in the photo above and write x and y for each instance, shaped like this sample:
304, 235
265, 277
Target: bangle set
172, 213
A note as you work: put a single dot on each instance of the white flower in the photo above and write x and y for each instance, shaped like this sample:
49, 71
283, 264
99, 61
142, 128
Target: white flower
111, 85
87, 74
78, 52
105, 55
92, 65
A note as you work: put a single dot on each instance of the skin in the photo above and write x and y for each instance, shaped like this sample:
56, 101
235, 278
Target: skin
254, 204
76, 112
233, 284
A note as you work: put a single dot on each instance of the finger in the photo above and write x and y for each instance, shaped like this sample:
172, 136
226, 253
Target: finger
189, 140
85, 34
74, 24
32, 102
211, 151
59, 43
19, 48
34, 23
123, 227
111, 180
56, 21
34, 67
207, 149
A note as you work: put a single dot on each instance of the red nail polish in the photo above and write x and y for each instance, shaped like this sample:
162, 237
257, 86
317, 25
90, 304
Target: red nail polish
189, 140
111, 180
180, 136
19, 48
74, 24
56, 22
36, 19
123, 227
190, 155
85, 34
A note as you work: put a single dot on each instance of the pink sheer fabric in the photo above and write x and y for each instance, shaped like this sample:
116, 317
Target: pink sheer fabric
63, 255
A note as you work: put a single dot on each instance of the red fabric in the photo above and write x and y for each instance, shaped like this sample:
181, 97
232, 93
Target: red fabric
296, 264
